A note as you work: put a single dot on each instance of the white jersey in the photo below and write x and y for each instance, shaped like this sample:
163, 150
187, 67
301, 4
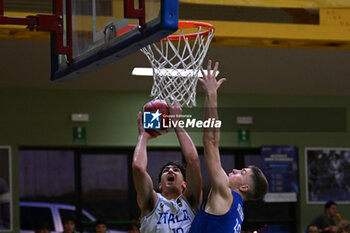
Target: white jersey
168, 216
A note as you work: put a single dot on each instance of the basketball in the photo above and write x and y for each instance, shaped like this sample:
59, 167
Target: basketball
162, 107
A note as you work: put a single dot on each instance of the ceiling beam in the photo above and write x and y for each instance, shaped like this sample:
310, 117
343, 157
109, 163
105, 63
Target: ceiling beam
302, 16
245, 34
275, 3
21, 33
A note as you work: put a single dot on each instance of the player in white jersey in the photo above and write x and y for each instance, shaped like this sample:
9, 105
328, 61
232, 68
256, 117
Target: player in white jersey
169, 216
174, 209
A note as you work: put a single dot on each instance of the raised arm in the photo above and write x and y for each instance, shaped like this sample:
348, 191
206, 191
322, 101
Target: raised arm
146, 196
193, 192
211, 136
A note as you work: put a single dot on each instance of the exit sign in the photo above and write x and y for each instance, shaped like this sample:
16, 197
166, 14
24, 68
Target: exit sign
244, 137
79, 135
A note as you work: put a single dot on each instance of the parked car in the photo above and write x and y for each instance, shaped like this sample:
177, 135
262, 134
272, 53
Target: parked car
33, 213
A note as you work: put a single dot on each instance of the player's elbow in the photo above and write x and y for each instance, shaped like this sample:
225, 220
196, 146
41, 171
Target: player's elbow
193, 160
138, 167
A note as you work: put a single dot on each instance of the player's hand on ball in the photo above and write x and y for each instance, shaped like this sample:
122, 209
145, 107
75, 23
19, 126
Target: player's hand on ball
142, 131
175, 110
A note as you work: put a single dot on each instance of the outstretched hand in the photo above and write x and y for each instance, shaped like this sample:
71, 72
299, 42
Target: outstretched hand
209, 82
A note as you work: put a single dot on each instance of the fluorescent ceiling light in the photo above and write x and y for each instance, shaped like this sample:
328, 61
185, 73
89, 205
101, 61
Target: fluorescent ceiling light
143, 71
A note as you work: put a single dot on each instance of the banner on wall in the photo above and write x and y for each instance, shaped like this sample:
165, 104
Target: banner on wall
280, 166
327, 175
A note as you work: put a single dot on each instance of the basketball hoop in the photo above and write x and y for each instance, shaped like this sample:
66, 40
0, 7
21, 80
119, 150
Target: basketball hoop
170, 57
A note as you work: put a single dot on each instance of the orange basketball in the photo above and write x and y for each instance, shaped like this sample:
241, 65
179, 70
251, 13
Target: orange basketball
159, 107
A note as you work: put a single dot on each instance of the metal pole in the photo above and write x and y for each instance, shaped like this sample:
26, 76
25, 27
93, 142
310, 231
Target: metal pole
69, 32
1, 7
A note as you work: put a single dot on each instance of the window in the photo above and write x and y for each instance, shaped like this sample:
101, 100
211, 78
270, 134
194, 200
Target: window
46, 175
33, 216
105, 185
64, 212
5, 189
255, 160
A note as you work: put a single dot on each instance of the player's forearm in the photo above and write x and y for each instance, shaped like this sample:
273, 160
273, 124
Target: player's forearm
211, 136
210, 112
211, 105
187, 146
139, 161
193, 171
212, 160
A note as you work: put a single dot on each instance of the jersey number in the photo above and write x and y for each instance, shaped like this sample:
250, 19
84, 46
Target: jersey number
178, 230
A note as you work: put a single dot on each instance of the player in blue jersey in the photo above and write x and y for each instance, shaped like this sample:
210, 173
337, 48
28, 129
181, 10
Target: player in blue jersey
172, 210
223, 211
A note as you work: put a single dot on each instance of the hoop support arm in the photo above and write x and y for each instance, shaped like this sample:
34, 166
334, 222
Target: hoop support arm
18, 21
52, 23
1, 7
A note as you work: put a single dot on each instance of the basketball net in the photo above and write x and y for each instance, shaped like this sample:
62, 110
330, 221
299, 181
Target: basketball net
176, 61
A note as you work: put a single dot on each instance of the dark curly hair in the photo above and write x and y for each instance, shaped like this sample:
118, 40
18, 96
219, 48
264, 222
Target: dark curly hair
329, 204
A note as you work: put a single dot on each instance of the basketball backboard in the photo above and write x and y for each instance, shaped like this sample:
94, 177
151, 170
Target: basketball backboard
99, 32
